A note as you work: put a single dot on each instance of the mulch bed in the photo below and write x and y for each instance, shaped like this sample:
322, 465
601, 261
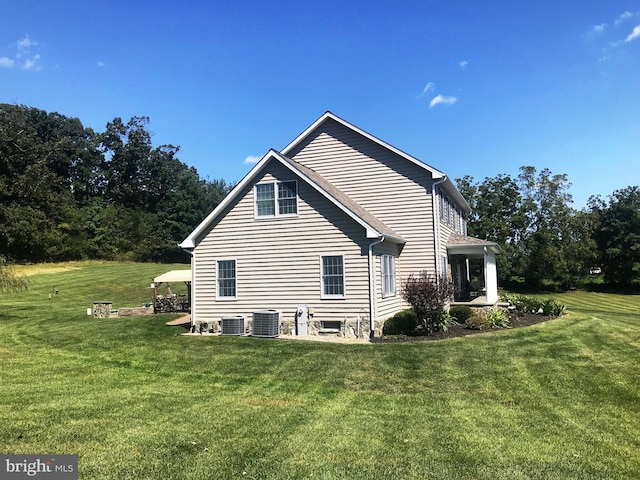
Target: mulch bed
462, 331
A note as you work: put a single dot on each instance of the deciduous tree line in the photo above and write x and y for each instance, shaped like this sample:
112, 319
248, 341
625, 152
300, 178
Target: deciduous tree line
68, 192
547, 242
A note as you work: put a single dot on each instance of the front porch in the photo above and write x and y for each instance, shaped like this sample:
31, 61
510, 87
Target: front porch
479, 301
463, 253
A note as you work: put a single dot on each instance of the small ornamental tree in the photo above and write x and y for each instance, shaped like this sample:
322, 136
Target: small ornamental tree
428, 297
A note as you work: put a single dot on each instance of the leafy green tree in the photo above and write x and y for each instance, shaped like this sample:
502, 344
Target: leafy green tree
67, 192
542, 237
618, 237
38, 156
497, 215
580, 251
547, 206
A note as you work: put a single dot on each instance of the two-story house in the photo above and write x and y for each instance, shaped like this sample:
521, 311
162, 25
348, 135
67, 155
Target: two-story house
328, 228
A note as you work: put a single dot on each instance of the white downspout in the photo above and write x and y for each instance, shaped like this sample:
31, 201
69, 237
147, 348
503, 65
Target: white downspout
436, 226
372, 290
193, 284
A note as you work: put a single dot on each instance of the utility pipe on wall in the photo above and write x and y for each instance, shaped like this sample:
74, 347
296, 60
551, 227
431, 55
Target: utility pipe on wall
192, 292
372, 290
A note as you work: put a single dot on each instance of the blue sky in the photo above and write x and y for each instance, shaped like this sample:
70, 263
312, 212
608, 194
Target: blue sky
469, 87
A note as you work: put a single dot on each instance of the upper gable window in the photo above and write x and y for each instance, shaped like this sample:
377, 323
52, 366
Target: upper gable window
274, 199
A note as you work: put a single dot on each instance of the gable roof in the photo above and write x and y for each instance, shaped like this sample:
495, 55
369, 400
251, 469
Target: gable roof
446, 184
374, 227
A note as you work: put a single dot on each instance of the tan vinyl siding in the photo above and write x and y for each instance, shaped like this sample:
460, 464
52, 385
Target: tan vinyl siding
279, 259
391, 188
387, 307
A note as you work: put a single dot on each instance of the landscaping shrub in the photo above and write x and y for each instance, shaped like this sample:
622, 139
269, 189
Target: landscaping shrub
402, 323
477, 322
461, 313
428, 297
523, 303
528, 304
445, 320
487, 319
497, 318
552, 307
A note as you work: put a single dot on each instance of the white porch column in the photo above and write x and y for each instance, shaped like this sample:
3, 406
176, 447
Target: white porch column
490, 276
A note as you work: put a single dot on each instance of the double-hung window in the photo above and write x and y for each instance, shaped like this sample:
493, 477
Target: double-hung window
275, 199
226, 275
287, 198
388, 270
265, 200
333, 276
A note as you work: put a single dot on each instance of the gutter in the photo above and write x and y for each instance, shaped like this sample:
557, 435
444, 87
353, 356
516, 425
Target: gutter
372, 302
436, 226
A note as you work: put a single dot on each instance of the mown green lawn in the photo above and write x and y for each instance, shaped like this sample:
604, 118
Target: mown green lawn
134, 400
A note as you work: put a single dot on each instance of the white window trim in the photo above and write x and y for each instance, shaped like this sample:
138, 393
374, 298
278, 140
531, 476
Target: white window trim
392, 290
276, 210
325, 296
221, 298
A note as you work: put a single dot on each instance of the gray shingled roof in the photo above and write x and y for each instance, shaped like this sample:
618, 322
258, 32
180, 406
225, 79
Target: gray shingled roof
457, 240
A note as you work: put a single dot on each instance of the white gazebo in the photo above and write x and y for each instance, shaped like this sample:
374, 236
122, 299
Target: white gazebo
173, 276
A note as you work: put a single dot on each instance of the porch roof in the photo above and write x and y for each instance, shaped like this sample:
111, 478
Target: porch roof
464, 245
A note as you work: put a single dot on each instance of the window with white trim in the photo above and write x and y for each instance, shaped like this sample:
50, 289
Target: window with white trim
265, 200
450, 213
276, 198
333, 276
226, 275
388, 271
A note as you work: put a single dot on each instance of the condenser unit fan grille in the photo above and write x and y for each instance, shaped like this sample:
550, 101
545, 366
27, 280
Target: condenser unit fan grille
232, 326
266, 323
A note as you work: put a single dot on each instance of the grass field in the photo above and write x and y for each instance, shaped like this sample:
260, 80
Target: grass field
134, 400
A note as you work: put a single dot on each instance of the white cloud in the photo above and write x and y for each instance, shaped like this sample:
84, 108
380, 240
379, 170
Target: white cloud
429, 87
463, 63
251, 159
24, 45
633, 35
6, 62
442, 100
100, 64
599, 28
32, 63
624, 16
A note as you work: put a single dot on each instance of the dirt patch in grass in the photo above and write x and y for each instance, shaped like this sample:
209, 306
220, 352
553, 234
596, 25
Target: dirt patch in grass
462, 331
